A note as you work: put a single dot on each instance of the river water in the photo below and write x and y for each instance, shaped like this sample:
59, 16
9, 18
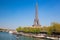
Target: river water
8, 36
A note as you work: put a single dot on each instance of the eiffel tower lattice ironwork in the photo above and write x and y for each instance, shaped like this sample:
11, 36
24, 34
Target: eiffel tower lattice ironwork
36, 20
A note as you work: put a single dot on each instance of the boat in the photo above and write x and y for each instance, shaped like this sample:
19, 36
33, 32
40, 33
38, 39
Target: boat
39, 36
53, 38
10, 32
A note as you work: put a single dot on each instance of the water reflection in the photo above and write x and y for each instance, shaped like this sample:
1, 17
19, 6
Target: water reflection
29, 38
7, 36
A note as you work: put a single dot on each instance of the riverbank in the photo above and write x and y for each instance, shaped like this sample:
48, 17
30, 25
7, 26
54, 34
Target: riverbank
42, 36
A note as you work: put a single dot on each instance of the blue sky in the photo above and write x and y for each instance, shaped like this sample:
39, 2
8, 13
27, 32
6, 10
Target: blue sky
15, 13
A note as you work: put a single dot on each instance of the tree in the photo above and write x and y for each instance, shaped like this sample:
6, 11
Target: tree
19, 29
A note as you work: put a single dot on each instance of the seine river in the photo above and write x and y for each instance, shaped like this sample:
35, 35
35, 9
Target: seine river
8, 36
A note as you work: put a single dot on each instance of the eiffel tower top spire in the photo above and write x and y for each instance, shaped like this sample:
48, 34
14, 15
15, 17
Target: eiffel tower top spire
36, 15
36, 20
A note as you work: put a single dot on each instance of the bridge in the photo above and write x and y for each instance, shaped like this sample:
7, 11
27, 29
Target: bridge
6, 30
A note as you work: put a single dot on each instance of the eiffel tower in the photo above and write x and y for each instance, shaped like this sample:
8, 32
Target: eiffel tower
36, 20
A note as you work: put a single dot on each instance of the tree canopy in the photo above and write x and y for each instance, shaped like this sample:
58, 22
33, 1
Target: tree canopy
54, 27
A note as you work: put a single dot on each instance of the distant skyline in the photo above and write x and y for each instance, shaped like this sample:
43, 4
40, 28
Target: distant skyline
15, 13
